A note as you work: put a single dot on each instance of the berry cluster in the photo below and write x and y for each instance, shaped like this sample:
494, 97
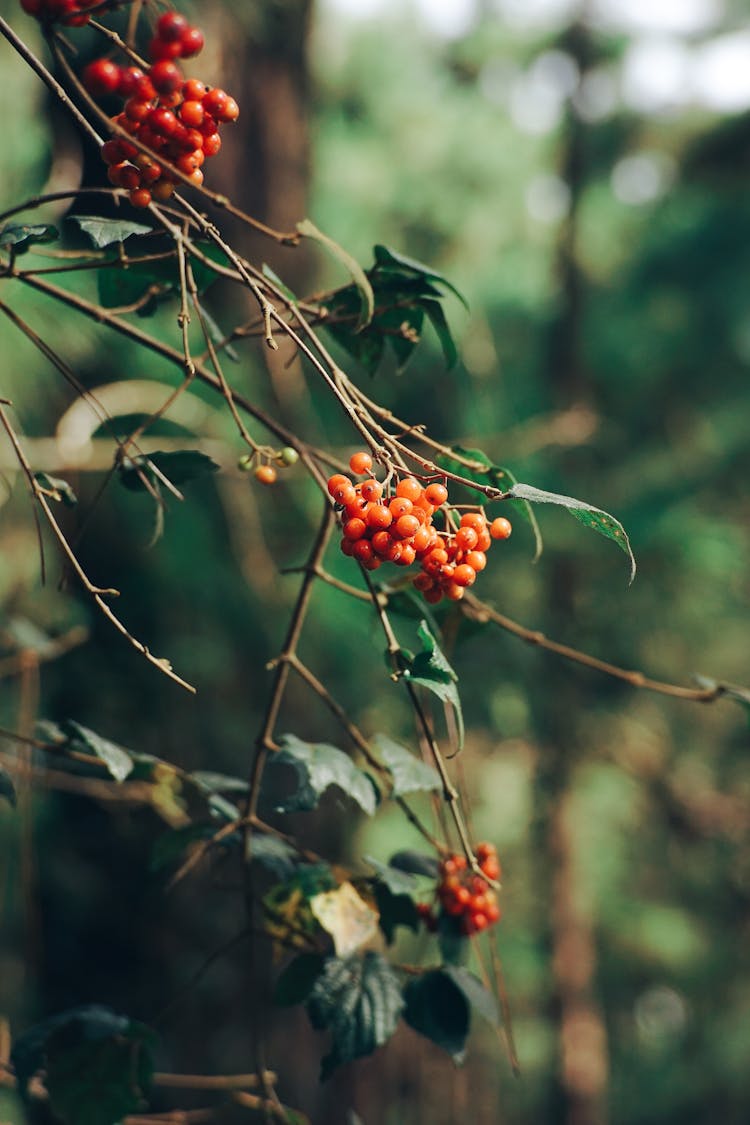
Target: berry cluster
380, 526
464, 896
175, 117
72, 13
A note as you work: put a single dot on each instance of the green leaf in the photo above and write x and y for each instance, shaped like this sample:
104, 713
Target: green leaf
438, 1009
57, 489
501, 478
23, 235
588, 515
178, 467
103, 232
217, 335
366, 347
453, 942
359, 277
219, 782
435, 312
415, 863
319, 766
118, 761
359, 1001
431, 669
398, 882
126, 284
275, 855
385, 257
410, 774
7, 787
98, 1065
296, 981
479, 997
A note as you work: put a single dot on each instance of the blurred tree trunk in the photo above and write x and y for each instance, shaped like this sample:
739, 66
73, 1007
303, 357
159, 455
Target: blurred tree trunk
579, 1093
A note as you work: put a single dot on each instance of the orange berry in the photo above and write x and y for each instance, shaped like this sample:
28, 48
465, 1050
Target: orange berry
379, 516
362, 551
265, 474
485, 541
406, 526
436, 494
360, 463
381, 543
336, 481
371, 490
453, 592
477, 560
475, 520
463, 575
409, 488
400, 506
347, 547
423, 582
433, 596
354, 528
422, 537
466, 538
500, 528
140, 197
407, 556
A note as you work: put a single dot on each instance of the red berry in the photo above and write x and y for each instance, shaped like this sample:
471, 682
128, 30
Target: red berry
165, 76
140, 197
463, 575
354, 528
362, 551
379, 516
406, 526
171, 27
191, 43
193, 90
211, 144
137, 110
371, 490
163, 121
231, 111
192, 113
130, 76
215, 102
265, 474
101, 77
161, 49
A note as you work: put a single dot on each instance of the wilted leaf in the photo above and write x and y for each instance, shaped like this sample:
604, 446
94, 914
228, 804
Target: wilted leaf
364, 288
319, 766
587, 514
103, 232
346, 916
438, 1009
23, 235
359, 1001
57, 489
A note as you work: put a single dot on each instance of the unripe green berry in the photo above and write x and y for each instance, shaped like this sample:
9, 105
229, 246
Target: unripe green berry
288, 456
245, 463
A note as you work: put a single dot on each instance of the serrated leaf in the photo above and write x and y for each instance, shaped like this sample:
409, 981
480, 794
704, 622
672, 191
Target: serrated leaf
178, 467
431, 669
359, 1001
23, 235
319, 766
385, 258
57, 489
345, 915
359, 277
7, 787
438, 1009
296, 980
497, 476
415, 863
587, 514
410, 774
103, 232
118, 761
479, 997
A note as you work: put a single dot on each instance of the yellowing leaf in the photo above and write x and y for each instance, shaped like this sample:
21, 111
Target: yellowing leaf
346, 917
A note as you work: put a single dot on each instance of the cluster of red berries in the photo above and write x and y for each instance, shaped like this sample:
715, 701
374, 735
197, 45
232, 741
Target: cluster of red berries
175, 117
73, 13
464, 896
382, 527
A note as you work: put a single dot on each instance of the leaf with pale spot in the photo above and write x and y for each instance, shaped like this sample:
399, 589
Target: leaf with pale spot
317, 767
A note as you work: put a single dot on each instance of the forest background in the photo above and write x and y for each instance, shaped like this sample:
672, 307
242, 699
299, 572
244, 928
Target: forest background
581, 176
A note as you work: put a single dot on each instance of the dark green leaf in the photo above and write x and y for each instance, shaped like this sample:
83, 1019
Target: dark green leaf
219, 782
103, 232
477, 995
359, 277
408, 603
453, 942
57, 489
127, 284
435, 312
588, 515
366, 347
395, 910
275, 855
23, 235
296, 981
430, 669
118, 761
398, 882
359, 1001
410, 774
178, 467
438, 1009
318, 767
385, 257
7, 788
416, 863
